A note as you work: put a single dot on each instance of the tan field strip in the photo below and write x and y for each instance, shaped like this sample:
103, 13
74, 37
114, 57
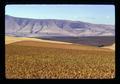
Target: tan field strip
47, 43
10, 39
112, 47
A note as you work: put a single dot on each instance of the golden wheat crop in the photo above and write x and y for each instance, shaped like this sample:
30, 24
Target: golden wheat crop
31, 62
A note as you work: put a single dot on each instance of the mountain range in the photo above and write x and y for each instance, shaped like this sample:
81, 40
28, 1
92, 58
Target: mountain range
28, 27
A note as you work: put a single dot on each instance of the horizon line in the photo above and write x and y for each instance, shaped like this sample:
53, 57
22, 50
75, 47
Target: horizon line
57, 19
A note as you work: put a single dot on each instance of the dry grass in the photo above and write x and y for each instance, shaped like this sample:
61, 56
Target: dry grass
110, 47
11, 39
32, 60
56, 45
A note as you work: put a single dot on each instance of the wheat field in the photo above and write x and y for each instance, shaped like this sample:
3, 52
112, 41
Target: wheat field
39, 60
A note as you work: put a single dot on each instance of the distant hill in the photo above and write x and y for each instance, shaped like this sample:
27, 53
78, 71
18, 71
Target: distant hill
26, 27
90, 40
47, 43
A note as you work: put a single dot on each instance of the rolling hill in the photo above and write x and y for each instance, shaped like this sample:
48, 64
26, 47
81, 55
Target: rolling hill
27, 27
47, 43
110, 47
28, 59
12, 39
60, 49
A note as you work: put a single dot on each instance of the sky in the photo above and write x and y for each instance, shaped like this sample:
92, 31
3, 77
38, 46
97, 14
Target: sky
98, 14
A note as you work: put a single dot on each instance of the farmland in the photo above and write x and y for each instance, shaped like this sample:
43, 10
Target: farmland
90, 40
42, 60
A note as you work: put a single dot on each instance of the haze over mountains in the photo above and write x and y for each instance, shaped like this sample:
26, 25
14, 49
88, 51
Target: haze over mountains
51, 27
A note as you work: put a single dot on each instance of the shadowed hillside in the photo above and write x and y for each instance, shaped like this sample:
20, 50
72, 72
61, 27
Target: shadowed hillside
90, 40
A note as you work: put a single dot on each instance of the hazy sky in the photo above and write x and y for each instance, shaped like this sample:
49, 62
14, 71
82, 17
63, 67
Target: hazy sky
101, 14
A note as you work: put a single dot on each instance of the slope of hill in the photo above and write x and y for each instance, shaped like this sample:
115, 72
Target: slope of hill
110, 47
47, 43
50, 27
43, 60
32, 58
11, 39
90, 40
